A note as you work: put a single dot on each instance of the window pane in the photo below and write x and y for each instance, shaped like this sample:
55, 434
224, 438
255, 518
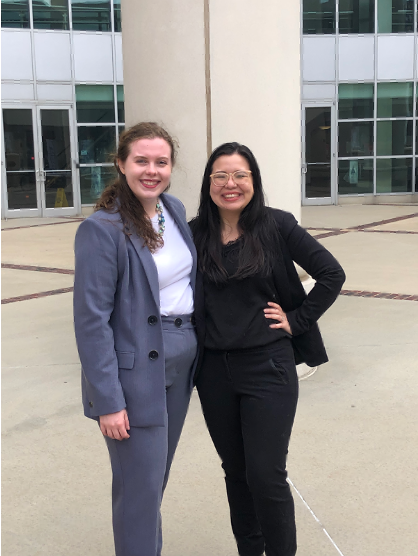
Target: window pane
394, 100
96, 144
21, 190
356, 16
95, 104
93, 180
394, 137
318, 17
395, 16
355, 101
355, 176
93, 15
18, 139
416, 175
50, 15
117, 15
121, 103
15, 13
318, 181
394, 175
355, 139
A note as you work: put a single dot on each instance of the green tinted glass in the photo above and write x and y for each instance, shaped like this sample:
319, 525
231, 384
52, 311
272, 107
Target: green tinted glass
394, 100
355, 177
93, 180
318, 17
355, 101
356, 16
96, 144
93, 15
121, 103
394, 175
395, 16
15, 13
95, 103
394, 137
50, 15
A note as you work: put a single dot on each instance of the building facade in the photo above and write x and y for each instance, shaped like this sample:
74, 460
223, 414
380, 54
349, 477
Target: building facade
63, 101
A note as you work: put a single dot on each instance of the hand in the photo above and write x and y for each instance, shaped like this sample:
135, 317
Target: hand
115, 425
275, 312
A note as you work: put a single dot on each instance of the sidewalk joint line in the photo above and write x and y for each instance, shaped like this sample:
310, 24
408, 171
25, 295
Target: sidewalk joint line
315, 517
43, 224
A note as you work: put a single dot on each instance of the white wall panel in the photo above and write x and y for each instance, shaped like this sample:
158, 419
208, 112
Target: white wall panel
395, 57
323, 91
47, 91
118, 59
356, 58
318, 58
52, 56
17, 91
92, 57
16, 59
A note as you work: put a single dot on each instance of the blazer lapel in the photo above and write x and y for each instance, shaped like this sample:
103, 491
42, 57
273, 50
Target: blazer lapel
149, 266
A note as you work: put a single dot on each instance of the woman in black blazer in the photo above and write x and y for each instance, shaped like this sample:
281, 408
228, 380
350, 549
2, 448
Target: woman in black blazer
254, 323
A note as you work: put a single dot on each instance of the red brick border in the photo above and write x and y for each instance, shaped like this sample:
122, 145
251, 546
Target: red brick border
379, 295
41, 225
37, 268
36, 295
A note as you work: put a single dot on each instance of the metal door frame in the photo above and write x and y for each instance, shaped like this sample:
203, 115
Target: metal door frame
63, 211
333, 199
41, 210
21, 213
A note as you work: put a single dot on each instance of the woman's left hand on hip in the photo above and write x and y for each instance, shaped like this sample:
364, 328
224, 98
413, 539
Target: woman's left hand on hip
274, 311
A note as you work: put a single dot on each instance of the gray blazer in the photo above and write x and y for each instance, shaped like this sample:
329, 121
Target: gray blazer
117, 318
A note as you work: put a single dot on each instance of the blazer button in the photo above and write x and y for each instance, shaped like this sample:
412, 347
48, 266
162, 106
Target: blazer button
153, 355
178, 322
152, 320
91, 404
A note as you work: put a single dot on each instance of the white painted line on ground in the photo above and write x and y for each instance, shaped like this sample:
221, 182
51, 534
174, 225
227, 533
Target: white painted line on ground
314, 516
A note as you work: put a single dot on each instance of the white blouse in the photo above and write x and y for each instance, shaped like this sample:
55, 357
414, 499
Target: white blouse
174, 265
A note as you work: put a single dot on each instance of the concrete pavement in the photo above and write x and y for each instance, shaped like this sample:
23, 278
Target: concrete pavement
352, 459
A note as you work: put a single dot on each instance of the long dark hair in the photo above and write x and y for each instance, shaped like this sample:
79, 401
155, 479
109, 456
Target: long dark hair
259, 242
118, 197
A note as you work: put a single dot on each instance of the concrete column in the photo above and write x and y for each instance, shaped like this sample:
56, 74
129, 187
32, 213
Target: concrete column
219, 70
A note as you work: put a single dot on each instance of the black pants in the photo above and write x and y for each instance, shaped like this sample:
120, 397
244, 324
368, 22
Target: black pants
249, 400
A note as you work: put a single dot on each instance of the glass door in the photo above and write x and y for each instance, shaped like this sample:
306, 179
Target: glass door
39, 169
318, 156
56, 162
21, 195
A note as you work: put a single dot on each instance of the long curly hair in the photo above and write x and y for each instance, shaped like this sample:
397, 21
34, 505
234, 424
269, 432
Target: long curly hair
258, 247
118, 196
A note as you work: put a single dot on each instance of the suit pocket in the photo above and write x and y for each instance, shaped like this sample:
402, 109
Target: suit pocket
281, 372
125, 359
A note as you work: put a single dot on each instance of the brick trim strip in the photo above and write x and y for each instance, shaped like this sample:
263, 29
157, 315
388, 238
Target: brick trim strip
41, 225
37, 268
379, 295
382, 222
36, 295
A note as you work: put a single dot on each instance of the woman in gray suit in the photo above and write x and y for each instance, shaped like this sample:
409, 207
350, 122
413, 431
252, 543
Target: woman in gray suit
133, 303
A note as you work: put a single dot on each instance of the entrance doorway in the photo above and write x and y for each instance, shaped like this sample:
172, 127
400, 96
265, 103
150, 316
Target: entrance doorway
318, 156
39, 162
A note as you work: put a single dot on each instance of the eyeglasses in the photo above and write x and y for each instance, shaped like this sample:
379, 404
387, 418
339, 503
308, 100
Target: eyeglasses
240, 177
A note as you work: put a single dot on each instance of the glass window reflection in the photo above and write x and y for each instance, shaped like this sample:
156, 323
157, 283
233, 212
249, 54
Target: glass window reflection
15, 13
50, 14
355, 139
93, 180
117, 15
95, 103
356, 16
121, 103
355, 101
93, 15
395, 16
96, 144
355, 177
394, 137
394, 175
394, 100
318, 17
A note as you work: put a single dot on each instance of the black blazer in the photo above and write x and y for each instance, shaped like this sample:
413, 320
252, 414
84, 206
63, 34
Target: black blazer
303, 311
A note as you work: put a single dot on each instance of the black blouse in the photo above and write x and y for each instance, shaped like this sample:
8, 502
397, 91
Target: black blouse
235, 310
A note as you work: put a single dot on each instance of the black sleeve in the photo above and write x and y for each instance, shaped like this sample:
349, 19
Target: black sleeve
318, 262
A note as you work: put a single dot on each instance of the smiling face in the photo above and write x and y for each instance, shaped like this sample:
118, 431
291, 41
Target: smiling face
148, 170
231, 197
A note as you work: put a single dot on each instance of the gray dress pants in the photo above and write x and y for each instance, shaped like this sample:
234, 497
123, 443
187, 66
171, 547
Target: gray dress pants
141, 463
